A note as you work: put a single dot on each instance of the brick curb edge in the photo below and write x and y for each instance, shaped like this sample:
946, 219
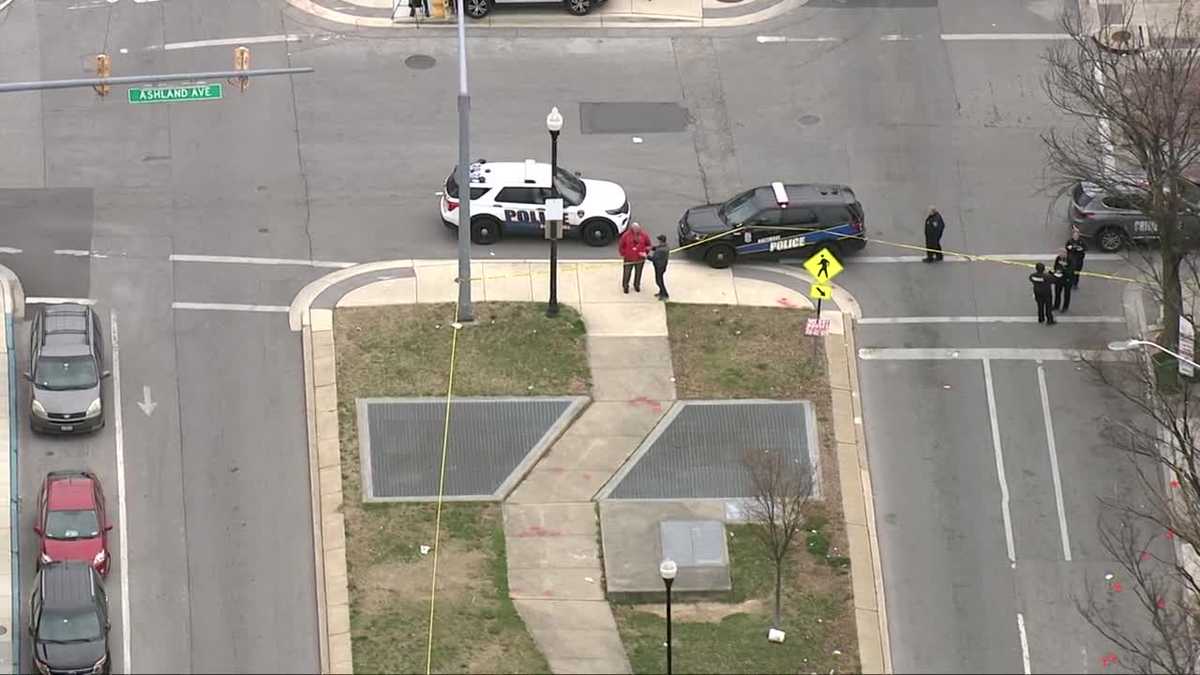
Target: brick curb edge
857, 501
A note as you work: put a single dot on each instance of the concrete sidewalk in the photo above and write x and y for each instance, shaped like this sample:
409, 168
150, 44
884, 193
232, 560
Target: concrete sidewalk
550, 521
12, 307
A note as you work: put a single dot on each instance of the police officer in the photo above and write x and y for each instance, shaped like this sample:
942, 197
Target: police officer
1076, 250
1064, 280
934, 227
1042, 293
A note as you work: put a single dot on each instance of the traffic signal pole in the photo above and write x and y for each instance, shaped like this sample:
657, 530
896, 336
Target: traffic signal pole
466, 312
99, 82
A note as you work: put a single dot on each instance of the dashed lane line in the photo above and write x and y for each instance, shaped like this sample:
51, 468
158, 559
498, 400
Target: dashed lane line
979, 353
251, 260
902, 320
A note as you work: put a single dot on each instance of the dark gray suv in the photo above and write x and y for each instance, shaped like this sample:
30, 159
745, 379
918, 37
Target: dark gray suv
1114, 220
66, 361
68, 620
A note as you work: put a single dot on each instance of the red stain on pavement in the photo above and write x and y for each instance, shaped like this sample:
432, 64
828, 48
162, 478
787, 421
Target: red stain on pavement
1162, 603
1116, 587
1174, 483
643, 401
787, 302
1145, 555
1108, 659
538, 531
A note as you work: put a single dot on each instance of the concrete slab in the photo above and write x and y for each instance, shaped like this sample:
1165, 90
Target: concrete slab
757, 293
620, 418
675, 8
536, 520
629, 352
571, 643
860, 554
625, 319
326, 398
568, 283
553, 584
584, 452
402, 291
585, 614
870, 652
320, 320
435, 281
695, 283
601, 282
627, 384
507, 282
835, 362
843, 416
853, 507
632, 546
559, 485
554, 551
586, 666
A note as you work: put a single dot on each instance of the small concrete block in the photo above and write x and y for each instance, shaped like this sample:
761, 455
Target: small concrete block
320, 320
568, 282
759, 293
322, 342
507, 282
837, 325
333, 531
853, 504
401, 291
599, 453
328, 447
843, 416
541, 520
338, 619
330, 479
870, 646
835, 362
337, 591
339, 648
324, 367
628, 384
345, 667
335, 566
331, 502
559, 485
695, 283
620, 418
436, 280
554, 584
600, 282
629, 352
561, 552
861, 568
627, 319
325, 399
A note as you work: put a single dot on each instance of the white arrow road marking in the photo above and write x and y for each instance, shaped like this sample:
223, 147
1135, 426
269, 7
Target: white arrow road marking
146, 404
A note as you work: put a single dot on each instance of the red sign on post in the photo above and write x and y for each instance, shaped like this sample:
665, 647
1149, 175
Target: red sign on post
816, 327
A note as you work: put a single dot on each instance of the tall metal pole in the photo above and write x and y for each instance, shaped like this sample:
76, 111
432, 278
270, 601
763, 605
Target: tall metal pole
465, 311
668, 583
552, 308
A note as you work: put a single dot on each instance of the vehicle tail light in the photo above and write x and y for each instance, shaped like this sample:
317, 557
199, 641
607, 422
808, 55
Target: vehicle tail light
451, 204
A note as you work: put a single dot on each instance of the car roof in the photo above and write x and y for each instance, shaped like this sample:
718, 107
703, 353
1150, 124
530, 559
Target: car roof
67, 585
510, 174
70, 491
805, 194
66, 329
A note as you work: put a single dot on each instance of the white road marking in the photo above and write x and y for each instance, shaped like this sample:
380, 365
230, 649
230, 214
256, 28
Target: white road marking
950, 257
9, 249
78, 252
119, 434
773, 39
896, 37
228, 307
229, 42
1058, 492
1110, 160
249, 260
1024, 643
1004, 512
967, 37
147, 404
976, 353
36, 300
888, 320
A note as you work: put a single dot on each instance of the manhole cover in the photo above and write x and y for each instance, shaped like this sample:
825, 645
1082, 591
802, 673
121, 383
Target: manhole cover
420, 61
808, 120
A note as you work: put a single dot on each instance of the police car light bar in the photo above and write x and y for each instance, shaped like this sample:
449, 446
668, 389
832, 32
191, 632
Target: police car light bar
781, 195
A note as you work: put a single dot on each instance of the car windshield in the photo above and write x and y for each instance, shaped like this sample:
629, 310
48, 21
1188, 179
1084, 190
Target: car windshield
76, 625
739, 209
570, 187
65, 372
72, 524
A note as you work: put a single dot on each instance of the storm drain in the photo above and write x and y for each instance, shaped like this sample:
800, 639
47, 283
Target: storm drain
492, 443
696, 451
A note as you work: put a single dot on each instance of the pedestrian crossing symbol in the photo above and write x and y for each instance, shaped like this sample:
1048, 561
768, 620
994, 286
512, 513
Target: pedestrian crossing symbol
823, 266
820, 291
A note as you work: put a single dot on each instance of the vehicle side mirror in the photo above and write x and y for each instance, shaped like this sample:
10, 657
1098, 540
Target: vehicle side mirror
106, 373
28, 375
108, 527
37, 529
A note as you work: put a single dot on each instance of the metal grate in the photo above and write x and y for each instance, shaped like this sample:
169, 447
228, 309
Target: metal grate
695, 452
492, 443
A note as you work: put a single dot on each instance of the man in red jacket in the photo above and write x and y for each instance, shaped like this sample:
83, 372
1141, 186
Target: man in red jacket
634, 245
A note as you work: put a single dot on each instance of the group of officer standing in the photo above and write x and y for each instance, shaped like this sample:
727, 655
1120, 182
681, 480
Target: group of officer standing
1052, 288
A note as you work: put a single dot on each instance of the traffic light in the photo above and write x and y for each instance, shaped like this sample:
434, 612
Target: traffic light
103, 69
241, 61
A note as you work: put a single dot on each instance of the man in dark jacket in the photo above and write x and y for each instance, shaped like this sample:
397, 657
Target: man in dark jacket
658, 257
934, 227
1064, 280
1042, 285
1076, 250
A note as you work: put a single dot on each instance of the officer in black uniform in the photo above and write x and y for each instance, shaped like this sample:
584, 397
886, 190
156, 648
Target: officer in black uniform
1064, 280
1076, 250
1042, 293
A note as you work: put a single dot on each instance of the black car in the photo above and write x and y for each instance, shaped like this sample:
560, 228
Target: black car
66, 361
776, 220
68, 619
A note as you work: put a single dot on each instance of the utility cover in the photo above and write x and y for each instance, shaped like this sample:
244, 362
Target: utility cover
694, 543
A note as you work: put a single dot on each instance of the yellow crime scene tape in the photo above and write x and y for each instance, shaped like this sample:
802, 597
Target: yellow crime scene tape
605, 263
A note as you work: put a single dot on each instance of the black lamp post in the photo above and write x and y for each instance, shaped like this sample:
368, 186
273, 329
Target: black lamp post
667, 571
554, 123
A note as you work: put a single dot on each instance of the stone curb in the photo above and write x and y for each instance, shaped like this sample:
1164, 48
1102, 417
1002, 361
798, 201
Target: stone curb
12, 307
857, 500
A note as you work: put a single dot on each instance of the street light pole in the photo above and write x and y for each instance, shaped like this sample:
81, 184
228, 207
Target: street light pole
667, 571
554, 124
465, 311
1126, 345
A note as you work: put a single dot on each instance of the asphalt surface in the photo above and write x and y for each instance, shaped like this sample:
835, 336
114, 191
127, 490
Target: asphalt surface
345, 164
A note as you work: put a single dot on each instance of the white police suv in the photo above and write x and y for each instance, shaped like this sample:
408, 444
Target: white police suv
509, 199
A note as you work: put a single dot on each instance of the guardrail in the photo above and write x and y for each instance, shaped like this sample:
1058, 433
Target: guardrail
12, 301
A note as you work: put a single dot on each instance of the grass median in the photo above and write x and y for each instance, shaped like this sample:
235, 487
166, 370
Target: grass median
721, 351
511, 349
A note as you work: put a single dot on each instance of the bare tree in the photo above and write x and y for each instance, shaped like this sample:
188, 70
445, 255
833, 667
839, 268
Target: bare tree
1133, 94
781, 488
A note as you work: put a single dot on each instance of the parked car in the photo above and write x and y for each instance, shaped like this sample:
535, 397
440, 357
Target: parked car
71, 520
68, 620
67, 360
477, 9
1114, 220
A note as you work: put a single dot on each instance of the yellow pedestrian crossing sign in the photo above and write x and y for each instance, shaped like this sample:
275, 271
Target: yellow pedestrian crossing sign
823, 266
820, 291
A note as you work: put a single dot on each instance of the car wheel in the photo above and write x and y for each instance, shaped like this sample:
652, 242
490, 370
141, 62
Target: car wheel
597, 232
719, 256
485, 230
1111, 239
579, 7
477, 9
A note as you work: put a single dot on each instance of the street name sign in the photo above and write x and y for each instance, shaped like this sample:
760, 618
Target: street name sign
194, 92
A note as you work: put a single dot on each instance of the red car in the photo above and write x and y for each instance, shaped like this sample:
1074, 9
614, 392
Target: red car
71, 520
